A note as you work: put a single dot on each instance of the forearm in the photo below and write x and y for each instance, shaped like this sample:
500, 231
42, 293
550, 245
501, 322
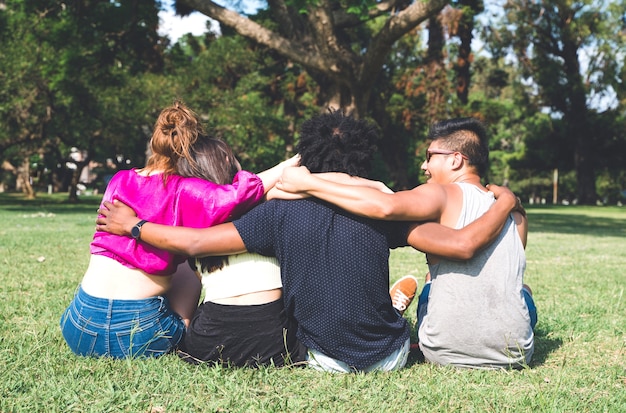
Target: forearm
483, 231
219, 240
462, 244
119, 219
357, 199
179, 240
346, 179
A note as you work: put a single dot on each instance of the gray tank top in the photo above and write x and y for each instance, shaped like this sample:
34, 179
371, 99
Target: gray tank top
477, 316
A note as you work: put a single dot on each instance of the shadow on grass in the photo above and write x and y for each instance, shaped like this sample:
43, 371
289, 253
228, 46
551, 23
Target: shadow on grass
55, 203
544, 345
575, 222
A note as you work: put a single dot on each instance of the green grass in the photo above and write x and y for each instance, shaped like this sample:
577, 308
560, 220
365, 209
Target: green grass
576, 265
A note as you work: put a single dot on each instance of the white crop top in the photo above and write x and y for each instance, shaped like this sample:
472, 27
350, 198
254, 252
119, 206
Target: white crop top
245, 273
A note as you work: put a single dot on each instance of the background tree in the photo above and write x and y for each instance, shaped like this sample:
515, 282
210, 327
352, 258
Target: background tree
66, 74
95, 74
564, 48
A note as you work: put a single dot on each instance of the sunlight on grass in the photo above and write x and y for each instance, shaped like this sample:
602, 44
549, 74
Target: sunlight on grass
576, 266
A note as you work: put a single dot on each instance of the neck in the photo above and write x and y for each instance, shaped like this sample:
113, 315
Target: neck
467, 177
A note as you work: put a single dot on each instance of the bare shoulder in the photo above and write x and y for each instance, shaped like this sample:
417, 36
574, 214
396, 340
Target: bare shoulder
422, 203
452, 205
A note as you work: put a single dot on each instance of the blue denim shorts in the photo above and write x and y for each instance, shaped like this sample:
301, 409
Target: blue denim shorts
95, 326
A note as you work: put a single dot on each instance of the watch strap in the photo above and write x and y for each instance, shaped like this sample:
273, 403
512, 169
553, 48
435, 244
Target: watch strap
136, 231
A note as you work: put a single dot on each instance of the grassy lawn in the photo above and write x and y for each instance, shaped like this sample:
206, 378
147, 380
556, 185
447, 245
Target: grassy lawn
576, 265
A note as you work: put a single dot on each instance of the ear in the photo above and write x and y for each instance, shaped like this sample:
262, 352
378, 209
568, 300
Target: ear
457, 161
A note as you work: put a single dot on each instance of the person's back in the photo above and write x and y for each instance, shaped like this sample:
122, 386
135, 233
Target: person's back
334, 265
477, 316
182, 201
335, 276
473, 313
134, 300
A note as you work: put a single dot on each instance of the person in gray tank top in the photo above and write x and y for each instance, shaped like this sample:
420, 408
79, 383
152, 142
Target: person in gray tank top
475, 312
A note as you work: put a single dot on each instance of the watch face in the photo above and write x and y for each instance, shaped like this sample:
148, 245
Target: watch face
135, 232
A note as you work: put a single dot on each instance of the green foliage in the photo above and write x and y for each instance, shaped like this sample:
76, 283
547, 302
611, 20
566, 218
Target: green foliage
251, 98
96, 74
72, 78
566, 60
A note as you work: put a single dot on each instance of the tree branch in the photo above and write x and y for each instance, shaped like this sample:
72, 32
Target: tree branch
293, 50
396, 27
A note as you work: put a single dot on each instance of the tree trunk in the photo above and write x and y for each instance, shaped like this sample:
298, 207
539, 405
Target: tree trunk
23, 179
436, 74
462, 67
581, 134
577, 119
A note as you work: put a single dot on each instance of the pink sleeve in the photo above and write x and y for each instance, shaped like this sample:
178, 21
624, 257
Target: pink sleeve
203, 204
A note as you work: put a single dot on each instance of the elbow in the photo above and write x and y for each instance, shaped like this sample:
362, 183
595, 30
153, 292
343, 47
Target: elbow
190, 251
384, 210
191, 246
194, 248
465, 250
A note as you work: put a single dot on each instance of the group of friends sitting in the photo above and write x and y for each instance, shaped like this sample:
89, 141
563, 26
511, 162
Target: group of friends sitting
292, 264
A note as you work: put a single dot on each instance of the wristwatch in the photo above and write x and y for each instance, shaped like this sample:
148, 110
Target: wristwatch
135, 232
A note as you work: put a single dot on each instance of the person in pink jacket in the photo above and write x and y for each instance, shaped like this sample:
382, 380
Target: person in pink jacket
136, 300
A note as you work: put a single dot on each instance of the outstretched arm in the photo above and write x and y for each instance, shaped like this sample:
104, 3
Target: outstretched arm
118, 218
422, 203
463, 243
338, 177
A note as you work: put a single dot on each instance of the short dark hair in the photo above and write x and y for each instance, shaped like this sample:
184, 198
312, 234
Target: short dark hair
465, 135
336, 142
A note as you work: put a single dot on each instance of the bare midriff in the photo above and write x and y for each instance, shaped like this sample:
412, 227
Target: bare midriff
107, 278
256, 298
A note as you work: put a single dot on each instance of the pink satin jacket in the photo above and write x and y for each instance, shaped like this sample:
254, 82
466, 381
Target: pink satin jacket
189, 202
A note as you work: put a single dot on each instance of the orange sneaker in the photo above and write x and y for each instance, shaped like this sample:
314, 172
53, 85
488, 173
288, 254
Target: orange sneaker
402, 292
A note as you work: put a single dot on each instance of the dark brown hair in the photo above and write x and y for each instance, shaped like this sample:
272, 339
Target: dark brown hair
211, 159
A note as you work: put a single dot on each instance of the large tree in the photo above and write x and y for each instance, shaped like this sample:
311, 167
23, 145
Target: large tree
344, 46
337, 42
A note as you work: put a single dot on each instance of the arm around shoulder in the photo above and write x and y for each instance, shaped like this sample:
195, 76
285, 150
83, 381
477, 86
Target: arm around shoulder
119, 219
221, 239
462, 244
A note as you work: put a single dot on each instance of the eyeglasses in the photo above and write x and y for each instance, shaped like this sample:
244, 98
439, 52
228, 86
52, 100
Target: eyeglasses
431, 152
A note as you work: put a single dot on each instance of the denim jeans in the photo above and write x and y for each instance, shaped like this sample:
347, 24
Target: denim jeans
95, 326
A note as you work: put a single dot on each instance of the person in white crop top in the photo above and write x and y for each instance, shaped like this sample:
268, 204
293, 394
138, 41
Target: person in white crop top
242, 321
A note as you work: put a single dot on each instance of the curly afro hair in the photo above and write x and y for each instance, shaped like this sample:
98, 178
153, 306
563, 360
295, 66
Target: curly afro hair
336, 142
